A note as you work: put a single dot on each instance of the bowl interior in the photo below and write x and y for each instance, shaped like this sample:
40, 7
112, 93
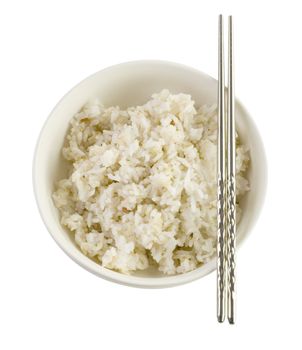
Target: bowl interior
131, 84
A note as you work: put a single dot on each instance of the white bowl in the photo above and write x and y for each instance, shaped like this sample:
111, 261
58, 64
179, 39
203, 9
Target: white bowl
131, 84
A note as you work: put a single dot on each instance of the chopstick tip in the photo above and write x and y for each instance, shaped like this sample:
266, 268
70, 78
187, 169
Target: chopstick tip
231, 320
220, 318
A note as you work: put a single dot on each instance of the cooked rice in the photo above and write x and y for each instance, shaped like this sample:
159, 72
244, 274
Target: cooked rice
142, 186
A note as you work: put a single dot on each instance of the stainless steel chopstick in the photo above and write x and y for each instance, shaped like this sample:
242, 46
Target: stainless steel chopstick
231, 181
221, 183
226, 182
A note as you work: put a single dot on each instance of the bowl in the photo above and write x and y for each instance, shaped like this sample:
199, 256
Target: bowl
131, 84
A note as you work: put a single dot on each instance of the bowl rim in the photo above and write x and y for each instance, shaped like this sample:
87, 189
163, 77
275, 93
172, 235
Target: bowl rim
110, 275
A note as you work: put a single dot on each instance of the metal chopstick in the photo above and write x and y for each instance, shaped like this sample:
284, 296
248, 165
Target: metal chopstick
231, 181
221, 183
226, 182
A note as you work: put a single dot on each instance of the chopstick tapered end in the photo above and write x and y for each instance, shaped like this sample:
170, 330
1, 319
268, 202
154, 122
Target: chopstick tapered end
220, 318
231, 320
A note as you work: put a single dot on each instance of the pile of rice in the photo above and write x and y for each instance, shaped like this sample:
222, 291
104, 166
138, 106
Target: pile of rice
142, 185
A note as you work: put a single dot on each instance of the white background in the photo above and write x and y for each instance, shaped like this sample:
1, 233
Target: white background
47, 301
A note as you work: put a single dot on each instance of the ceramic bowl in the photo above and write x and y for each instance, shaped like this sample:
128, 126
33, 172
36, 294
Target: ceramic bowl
131, 84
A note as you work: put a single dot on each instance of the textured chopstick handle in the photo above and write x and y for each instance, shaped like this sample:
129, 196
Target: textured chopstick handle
231, 247
221, 249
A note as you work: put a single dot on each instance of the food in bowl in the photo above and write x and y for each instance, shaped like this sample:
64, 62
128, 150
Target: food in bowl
142, 185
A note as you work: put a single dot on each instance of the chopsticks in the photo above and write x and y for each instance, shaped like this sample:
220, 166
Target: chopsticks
226, 182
